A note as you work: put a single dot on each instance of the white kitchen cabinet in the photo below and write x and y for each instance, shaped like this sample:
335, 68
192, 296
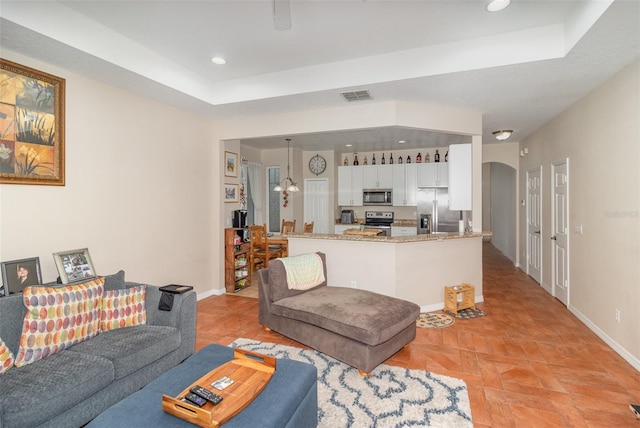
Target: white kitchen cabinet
404, 185
434, 174
460, 179
350, 186
377, 177
404, 231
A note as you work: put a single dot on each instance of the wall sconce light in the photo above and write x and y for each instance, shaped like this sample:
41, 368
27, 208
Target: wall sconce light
524, 152
503, 134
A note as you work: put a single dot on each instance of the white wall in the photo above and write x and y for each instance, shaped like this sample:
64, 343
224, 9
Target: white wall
139, 189
600, 136
503, 203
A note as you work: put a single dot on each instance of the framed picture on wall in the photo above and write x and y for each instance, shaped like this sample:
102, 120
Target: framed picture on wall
32, 105
230, 164
231, 192
18, 274
74, 265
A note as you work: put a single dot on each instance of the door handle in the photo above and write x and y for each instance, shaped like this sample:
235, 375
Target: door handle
553, 237
537, 232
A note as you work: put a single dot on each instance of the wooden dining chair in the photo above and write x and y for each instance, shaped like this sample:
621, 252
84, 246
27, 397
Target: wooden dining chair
308, 228
261, 251
288, 226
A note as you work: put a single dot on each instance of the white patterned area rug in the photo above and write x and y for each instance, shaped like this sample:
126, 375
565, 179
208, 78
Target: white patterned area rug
390, 397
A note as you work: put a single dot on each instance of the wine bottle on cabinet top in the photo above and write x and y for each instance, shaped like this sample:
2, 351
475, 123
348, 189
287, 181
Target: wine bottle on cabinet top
383, 162
446, 156
436, 158
373, 160
419, 158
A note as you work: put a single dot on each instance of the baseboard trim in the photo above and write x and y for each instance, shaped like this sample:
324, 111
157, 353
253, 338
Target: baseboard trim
214, 292
635, 362
440, 306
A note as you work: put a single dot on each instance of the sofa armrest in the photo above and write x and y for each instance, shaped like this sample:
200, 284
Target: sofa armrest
182, 316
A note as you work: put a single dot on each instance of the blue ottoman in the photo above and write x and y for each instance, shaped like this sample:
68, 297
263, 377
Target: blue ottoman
289, 400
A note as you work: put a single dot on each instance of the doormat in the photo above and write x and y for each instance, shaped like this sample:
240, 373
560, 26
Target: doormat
467, 314
434, 320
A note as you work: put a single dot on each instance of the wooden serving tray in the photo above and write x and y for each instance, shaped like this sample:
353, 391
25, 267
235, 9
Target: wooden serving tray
250, 371
364, 232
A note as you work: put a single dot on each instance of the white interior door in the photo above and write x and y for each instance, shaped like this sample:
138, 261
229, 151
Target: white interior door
560, 230
316, 204
534, 213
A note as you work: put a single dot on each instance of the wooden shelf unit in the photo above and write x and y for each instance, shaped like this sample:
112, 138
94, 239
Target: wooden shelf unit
234, 270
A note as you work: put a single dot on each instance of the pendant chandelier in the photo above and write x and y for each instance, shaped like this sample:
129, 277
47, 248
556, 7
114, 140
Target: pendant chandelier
291, 185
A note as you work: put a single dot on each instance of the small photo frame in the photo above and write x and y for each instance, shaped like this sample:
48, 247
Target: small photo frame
231, 192
74, 265
230, 164
18, 274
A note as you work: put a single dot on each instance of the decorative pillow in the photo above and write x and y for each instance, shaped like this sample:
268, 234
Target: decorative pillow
111, 282
57, 318
6, 357
123, 308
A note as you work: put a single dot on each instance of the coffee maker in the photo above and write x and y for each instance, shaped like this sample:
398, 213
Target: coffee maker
240, 218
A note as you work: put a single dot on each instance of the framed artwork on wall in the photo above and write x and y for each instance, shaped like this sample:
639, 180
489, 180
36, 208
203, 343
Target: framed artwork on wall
32, 105
18, 274
230, 164
74, 265
231, 192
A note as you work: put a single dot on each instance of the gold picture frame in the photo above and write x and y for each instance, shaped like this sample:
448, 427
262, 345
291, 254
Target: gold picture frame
231, 193
230, 164
32, 107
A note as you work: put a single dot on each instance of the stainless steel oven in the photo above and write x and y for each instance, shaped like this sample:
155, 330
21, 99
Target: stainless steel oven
381, 220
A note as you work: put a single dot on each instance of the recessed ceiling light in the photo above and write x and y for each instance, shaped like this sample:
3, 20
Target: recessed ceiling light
502, 134
218, 60
401, 142
498, 5
348, 145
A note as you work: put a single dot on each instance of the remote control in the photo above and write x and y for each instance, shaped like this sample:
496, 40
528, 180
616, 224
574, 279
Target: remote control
206, 394
195, 399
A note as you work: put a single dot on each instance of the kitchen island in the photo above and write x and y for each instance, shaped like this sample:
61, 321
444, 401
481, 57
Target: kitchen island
414, 268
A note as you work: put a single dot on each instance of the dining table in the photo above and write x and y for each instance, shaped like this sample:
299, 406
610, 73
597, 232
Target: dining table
282, 241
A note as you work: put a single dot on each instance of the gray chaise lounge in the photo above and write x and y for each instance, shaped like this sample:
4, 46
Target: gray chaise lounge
358, 327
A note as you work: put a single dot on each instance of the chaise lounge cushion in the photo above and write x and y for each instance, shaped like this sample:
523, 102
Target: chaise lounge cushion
132, 348
58, 382
361, 315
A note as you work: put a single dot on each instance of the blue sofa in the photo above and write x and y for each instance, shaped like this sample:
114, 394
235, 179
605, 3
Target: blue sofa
70, 388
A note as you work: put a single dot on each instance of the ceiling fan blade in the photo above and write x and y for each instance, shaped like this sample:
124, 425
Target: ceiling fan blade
281, 14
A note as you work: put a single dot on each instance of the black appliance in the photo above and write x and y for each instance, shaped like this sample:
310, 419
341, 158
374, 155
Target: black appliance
379, 220
240, 218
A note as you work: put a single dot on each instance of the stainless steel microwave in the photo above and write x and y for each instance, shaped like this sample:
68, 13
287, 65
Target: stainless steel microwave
376, 197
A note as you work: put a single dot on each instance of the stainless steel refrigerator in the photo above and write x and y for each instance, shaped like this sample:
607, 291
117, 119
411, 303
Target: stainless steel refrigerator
433, 211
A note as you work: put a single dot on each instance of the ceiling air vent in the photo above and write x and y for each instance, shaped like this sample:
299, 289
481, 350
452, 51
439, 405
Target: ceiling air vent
356, 95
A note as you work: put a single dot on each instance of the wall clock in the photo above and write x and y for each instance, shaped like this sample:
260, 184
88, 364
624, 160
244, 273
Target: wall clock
317, 164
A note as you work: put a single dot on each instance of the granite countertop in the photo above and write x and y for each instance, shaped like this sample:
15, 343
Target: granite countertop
392, 239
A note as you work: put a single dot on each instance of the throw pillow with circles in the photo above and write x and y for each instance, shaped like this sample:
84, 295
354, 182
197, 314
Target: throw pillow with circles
57, 318
6, 357
124, 307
